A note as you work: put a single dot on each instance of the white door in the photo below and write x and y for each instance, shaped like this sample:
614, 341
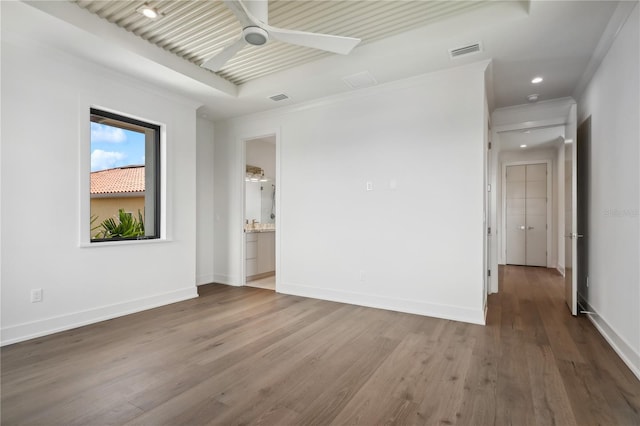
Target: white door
570, 226
536, 215
516, 214
526, 214
577, 171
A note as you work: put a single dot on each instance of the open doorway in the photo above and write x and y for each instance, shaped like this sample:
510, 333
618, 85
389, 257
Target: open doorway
260, 212
530, 142
528, 189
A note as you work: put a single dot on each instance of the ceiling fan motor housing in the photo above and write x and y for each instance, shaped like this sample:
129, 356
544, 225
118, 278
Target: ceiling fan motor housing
255, 36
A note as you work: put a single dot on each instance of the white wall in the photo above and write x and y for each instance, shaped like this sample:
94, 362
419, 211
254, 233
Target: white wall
414, 243
612, 99
228, 186
45, 100
204, 201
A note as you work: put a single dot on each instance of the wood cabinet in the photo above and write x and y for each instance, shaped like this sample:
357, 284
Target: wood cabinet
266, 252
260, 253
251, 254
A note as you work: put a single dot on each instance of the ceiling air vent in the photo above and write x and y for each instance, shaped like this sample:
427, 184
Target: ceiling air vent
465, 50
280, 97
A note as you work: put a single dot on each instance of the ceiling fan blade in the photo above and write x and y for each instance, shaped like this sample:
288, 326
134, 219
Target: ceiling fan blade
242, 13
216, 62
330, 43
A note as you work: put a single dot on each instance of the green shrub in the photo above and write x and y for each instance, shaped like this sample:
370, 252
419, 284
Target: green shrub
126, 226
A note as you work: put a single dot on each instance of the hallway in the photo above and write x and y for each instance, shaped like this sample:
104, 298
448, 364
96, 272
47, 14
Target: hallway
241, 355
555, 367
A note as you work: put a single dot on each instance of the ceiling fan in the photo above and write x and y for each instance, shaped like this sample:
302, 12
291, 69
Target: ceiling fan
253, 16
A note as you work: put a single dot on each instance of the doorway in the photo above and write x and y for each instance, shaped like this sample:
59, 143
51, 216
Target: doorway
534, 134
526, 214
260, 212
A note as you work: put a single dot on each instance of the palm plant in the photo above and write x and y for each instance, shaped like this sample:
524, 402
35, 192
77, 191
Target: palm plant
126, 226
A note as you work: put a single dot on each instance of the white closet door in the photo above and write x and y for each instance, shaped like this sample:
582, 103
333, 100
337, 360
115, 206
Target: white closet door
516, 215
536, 215
526, 214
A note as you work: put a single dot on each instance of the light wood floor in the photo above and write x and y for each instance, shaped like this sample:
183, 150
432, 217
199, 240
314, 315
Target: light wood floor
252, 356
268, 283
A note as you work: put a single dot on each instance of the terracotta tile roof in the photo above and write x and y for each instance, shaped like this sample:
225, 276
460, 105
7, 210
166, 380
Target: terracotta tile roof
121, 179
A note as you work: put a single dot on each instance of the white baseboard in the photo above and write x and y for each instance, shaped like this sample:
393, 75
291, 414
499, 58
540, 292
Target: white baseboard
561, 270
630, 356
204, 279
30, 330
226, 279
456, 313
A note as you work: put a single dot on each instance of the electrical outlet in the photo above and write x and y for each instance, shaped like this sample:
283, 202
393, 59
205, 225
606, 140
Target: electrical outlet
36, 295
369, 186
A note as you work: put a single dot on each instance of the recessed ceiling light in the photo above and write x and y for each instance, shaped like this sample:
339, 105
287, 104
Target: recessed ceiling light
537, 80
533, 97
523, 146
527, 131
148, 11
360, 80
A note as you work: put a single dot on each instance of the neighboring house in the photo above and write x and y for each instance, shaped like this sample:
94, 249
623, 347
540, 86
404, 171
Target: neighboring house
115, 189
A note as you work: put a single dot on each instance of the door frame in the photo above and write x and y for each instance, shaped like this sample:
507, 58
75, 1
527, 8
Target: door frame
503, 207
241, 173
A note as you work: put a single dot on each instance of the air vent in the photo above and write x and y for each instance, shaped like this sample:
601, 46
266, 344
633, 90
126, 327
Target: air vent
360, 80
280, 97
465, 50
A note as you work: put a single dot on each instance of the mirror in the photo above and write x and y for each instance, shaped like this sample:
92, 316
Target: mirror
260, 186
260, 201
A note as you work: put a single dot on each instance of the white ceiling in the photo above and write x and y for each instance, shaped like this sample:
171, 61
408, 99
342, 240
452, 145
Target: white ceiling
266, 139
534, 138
197, 30
555, 39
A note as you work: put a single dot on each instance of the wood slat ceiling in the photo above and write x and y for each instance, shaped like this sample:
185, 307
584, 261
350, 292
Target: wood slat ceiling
196, 30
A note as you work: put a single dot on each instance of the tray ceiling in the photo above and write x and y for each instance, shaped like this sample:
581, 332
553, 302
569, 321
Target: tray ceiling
197, 30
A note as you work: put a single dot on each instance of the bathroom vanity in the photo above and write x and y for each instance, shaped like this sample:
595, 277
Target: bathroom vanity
260, 253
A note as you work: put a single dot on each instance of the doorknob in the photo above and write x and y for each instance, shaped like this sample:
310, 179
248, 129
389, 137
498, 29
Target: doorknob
574, 235
530, 228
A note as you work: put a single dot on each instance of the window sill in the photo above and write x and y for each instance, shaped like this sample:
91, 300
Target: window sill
124, 243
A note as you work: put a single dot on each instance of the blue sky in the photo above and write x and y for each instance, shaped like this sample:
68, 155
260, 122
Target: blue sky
115, 147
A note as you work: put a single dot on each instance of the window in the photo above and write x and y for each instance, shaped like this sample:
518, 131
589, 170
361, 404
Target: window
125, 178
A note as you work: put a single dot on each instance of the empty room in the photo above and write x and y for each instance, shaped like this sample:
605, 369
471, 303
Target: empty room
320, 212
